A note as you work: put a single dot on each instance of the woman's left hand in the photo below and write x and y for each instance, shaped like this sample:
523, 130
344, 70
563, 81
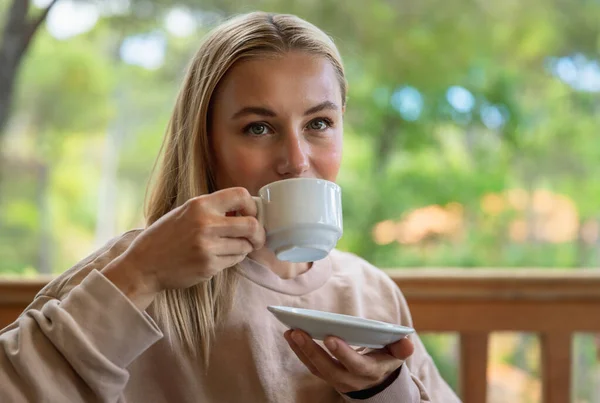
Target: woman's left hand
349, 371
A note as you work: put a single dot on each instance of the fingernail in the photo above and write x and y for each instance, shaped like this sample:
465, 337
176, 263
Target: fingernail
331, 344
298, 339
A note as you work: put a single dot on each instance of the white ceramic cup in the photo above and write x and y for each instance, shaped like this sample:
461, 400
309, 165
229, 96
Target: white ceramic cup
302, 218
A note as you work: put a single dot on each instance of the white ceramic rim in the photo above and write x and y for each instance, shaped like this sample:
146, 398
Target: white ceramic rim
341, 319
335, 185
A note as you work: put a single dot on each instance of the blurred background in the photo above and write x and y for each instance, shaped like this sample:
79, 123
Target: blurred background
472, 136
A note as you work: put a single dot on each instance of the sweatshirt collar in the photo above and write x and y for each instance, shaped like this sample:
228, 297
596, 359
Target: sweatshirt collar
311, 280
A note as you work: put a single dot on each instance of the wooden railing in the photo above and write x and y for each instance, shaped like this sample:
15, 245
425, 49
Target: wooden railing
15, 295
552, 303
474, 303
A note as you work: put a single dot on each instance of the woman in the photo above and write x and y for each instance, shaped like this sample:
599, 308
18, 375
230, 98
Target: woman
177, 312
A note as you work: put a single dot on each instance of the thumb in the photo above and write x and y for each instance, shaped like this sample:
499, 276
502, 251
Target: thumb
402, 349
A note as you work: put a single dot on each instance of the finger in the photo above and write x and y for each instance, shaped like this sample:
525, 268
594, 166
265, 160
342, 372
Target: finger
373, 366
242, 227
402, 349
301, 356
331, 369
234, 199
230, 261
232, 246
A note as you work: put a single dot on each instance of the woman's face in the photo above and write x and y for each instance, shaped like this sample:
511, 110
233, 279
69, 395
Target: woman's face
277, 118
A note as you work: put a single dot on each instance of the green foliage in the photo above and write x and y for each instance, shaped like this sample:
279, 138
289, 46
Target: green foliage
79, 74
394, 163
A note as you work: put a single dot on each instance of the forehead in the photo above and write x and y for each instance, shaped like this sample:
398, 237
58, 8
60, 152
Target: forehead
293, 79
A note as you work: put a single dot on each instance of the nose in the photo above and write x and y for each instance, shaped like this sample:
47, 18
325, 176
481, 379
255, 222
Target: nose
294, 157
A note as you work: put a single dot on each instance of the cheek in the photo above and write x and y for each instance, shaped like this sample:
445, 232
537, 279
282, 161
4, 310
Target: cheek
241, 166
326, 161
234, 159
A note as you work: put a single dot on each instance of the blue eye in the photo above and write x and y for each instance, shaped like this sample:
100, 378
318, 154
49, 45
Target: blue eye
256, 129
319, 124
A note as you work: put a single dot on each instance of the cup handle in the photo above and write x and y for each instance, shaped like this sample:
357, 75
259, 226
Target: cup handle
260, 215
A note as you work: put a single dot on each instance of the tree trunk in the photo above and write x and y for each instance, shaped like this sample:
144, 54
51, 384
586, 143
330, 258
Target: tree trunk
16, 38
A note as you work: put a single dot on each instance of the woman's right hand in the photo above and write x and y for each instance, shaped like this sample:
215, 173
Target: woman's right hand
188, 245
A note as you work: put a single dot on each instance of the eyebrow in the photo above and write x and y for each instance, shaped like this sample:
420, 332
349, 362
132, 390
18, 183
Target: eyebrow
262, 111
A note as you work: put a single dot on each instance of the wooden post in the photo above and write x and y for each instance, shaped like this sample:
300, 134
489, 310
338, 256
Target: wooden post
473, 366
556, 367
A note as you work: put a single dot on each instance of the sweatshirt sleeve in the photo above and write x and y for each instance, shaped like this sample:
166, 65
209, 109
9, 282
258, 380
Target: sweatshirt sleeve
424, 385
74, 350
404, 389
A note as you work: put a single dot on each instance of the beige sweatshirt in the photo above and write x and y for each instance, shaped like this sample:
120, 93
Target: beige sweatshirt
82, 340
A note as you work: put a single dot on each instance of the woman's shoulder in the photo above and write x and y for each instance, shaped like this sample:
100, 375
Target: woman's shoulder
59, 287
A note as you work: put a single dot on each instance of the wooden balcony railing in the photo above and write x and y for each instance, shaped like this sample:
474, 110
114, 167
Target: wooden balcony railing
552, 303
472, 302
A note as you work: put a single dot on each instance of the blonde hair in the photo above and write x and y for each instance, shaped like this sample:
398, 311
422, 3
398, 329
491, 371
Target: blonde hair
186, 167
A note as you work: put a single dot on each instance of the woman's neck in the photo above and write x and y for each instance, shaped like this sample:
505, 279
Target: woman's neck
285, 270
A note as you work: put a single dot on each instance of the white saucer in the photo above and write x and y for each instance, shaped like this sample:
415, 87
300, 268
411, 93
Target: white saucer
353, 330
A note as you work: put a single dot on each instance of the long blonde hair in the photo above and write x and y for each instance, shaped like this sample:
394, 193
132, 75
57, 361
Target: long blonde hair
185, 167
